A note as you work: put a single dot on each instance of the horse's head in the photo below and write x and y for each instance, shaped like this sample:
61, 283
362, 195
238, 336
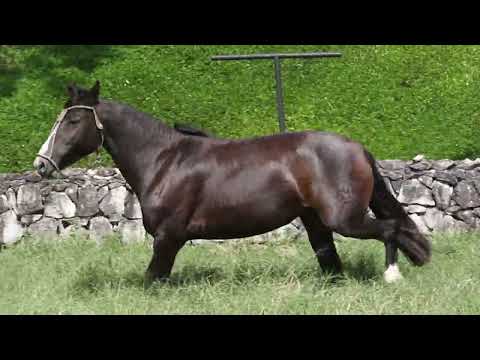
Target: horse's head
76, 133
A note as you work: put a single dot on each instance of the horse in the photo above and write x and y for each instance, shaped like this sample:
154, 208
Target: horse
193, 186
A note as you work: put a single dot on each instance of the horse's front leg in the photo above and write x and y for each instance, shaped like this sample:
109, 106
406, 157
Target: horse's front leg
165, 249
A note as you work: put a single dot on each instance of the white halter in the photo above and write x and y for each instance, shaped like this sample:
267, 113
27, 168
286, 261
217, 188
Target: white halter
56, 126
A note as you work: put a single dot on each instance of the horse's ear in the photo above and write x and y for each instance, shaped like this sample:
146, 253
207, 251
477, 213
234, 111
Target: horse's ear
95, 90
72, 90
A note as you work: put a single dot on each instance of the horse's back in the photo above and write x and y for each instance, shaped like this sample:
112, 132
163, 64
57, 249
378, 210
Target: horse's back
320, 146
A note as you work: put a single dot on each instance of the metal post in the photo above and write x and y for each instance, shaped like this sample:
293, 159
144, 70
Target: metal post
280, 103
277, 58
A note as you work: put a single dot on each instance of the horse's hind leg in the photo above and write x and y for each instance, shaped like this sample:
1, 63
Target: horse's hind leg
321, 239
343, 205
364, 227
392, 274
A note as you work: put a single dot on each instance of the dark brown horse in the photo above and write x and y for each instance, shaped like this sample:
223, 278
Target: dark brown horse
192, 186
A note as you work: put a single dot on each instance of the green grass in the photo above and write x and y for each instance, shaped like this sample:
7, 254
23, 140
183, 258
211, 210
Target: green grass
398, 100
80, 277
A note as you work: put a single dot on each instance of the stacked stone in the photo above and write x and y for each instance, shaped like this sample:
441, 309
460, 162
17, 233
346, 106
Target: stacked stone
439, 195
98, 202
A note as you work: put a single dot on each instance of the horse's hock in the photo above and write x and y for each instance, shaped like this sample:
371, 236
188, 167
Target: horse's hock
439, 195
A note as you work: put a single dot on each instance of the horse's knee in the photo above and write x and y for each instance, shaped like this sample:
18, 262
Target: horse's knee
329, 260
330, 222
360, 227
340, 219
167, 248
343, 226
168, 240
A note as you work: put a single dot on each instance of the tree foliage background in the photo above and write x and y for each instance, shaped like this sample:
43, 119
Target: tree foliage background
398, 100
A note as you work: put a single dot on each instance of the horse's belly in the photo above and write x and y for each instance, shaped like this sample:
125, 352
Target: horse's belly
254, 213
234, 228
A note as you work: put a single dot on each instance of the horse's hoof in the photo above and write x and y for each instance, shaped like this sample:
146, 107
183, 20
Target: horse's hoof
148, 281
392, 275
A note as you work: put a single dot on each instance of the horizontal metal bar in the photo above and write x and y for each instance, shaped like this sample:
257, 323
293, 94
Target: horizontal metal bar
275, 56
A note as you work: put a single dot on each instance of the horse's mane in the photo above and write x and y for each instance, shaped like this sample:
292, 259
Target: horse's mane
189, 130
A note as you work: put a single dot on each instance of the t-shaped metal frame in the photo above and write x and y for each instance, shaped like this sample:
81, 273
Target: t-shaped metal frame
278, 72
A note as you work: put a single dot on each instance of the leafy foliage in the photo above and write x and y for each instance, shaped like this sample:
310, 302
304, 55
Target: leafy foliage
398, 100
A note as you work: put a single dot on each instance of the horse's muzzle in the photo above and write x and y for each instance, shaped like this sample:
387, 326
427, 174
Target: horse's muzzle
43, 167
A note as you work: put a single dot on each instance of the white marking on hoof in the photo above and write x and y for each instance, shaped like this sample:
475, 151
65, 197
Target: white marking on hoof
392, 275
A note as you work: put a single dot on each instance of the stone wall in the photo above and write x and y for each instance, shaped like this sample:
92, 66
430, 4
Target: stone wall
98, 202
439, 196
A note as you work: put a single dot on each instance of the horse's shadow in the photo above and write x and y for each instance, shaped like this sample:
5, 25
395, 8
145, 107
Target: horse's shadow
94, 279
364, 269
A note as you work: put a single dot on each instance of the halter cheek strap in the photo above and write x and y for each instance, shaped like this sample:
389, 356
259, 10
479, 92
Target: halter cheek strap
56, 126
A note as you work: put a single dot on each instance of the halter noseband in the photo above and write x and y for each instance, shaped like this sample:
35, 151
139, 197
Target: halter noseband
59, 120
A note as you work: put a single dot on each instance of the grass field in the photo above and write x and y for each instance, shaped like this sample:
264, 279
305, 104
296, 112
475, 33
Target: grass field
399, 101
80, 277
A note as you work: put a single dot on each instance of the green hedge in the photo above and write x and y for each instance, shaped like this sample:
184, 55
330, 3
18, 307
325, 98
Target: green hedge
398, 100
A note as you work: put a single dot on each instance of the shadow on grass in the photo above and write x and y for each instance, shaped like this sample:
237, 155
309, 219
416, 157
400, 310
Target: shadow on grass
192, 274
362, 269
468, 154
84, 58
52, 64
8, 79
95, 278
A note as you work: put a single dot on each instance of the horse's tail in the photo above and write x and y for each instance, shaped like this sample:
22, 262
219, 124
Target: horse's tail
411, 242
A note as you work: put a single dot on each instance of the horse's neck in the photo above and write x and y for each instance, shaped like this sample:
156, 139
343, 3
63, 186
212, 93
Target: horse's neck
133, 140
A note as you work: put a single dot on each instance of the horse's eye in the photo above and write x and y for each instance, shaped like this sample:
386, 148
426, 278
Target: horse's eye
73, 122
